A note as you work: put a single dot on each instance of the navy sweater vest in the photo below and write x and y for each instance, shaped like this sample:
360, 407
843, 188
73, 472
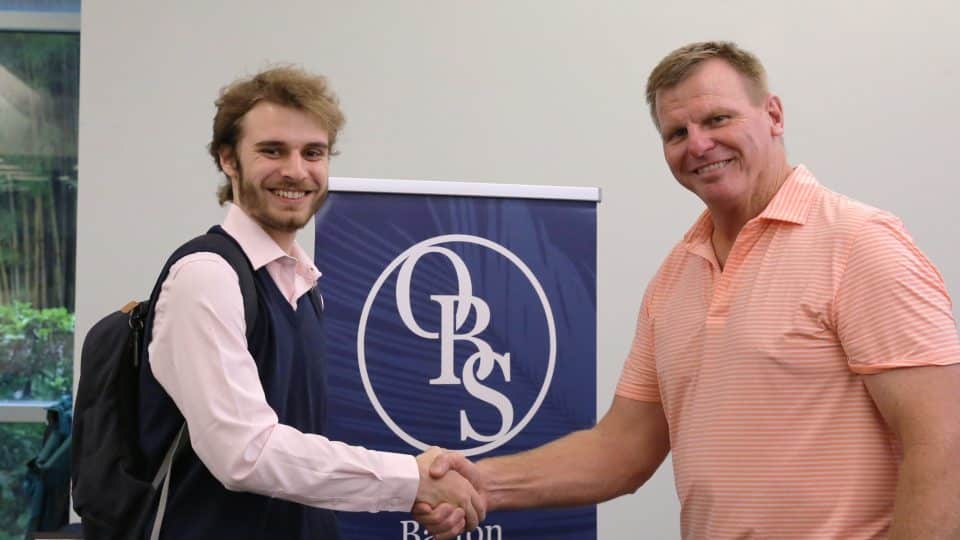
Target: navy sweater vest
288, 347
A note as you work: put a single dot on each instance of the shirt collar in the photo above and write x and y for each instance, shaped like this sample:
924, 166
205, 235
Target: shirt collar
260, 248
791, 204
697, 238
794, 199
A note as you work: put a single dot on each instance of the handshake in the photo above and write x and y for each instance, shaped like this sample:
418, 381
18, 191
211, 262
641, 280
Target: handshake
453, 494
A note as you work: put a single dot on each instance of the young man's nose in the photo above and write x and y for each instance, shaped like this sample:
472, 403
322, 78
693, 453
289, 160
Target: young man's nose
295, 166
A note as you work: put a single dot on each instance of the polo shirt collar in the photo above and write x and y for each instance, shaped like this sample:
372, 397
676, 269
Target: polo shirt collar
791, 204
794, 199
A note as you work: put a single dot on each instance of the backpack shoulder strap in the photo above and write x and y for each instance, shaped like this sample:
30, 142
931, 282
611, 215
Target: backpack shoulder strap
228, 248
218, 241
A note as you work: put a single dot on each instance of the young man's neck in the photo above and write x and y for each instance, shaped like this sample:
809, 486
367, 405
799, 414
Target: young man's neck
284, 239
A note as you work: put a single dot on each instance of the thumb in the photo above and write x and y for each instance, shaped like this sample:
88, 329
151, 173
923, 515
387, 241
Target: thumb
441, 465
453, 461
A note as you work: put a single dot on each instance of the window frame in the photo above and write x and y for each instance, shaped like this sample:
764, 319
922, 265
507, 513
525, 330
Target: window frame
39, 21
13, 411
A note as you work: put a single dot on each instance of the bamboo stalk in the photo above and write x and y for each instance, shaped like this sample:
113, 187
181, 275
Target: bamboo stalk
20, 236
4, 285
13, 238
56, 245
4, 264
31, 254
5, 296
40, 297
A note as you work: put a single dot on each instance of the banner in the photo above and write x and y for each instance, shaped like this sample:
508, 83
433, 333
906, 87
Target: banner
462, 316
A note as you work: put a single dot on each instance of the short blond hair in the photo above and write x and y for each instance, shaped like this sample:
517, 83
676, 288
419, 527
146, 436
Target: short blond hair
284, 85
680, 64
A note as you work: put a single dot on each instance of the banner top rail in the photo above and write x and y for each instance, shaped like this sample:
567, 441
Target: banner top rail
469, 189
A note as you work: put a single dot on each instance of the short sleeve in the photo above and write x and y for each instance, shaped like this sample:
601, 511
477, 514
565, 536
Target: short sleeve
891, 306
639, 380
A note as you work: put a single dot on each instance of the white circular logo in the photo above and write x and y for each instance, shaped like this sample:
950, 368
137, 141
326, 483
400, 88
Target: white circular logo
450, 314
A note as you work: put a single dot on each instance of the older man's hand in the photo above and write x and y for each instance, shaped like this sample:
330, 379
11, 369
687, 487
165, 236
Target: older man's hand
447, 504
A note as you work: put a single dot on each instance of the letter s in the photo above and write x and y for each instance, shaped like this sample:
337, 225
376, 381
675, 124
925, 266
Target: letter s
487, 394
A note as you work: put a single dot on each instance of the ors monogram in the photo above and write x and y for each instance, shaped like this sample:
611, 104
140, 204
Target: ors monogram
457, 325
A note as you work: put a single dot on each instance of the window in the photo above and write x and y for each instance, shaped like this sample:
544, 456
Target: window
39, 80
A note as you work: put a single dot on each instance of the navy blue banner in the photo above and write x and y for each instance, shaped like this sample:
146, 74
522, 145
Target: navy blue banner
462, 322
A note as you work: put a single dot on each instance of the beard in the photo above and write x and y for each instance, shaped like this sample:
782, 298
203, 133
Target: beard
255, 201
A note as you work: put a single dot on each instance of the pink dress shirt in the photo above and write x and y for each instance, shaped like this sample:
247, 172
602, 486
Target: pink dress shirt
199, 355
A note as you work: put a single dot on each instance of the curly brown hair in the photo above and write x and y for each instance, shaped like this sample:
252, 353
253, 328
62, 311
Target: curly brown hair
284, 85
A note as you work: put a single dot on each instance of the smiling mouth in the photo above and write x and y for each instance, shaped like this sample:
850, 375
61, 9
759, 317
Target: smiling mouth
712, 167
288, 194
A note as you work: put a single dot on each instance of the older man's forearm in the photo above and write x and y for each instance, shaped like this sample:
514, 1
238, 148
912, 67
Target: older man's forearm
928, 494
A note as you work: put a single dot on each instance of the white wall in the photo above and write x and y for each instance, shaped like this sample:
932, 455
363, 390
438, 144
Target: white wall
522, 91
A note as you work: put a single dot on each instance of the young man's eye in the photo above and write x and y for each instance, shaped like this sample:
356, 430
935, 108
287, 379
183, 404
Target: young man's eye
316, 154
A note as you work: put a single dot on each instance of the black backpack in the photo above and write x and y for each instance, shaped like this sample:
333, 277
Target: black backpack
112, 491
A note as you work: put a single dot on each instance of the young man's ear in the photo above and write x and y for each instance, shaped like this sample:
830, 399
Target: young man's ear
228, 162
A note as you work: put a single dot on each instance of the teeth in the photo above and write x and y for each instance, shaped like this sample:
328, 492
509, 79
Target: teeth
291, 194
714, 166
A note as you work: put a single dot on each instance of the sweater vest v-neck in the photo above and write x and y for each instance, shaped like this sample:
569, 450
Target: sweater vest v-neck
288, 348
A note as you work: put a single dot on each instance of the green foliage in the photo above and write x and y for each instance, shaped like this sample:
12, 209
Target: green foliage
18, 443
36, 362
36, 352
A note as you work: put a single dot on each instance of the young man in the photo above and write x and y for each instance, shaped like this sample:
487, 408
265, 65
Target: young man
259, 466
795, 351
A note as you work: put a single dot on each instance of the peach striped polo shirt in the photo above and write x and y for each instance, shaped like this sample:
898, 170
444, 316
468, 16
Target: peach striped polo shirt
758, 367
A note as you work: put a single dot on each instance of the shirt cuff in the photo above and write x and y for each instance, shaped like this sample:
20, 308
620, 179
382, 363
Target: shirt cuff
401, 483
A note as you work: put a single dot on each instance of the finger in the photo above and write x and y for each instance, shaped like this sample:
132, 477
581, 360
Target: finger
434, 517
449, 528
479, 504
459, 463
433, 452
440, 465
422, 509
473, 518
450, 535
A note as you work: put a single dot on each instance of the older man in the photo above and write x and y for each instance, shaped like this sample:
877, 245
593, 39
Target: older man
795, 351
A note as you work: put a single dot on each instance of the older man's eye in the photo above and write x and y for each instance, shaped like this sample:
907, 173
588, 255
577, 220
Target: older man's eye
677, 134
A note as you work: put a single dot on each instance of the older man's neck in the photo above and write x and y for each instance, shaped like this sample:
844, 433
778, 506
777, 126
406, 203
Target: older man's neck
728, 222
